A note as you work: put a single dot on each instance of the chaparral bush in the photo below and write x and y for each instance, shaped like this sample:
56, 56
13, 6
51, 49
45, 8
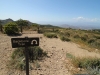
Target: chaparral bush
11, 28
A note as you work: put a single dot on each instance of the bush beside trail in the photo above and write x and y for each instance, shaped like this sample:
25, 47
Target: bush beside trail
11, 28
18, 57
51, 35
63, 38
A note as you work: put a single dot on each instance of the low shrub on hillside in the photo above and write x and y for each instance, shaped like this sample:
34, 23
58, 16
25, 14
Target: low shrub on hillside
48, 30
67, 34
90, 65
76, 36
90, 41
51, 35
11, 28
63, 38
86, 62
56, 30
83, 39
93, 71
97, 37
68, 55
18, 57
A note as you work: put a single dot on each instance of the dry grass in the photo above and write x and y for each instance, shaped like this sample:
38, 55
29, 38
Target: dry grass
90, 65
87, 39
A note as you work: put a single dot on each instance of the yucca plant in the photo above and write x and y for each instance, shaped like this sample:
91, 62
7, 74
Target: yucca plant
93, 71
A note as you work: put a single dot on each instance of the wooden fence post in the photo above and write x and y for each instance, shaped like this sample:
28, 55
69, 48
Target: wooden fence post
1, 28
21, 29
53, 29
38, 29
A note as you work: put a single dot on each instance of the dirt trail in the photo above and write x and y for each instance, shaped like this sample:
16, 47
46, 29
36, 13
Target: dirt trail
52, 65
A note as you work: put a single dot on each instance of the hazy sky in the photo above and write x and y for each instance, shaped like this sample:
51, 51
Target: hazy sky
52, 11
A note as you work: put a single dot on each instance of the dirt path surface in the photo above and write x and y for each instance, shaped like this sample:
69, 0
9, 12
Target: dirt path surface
52, 65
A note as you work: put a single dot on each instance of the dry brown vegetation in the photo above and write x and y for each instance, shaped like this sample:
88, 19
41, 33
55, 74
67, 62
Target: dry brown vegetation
61, 50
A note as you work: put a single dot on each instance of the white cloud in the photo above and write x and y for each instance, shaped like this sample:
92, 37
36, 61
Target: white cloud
95, 20
82, 19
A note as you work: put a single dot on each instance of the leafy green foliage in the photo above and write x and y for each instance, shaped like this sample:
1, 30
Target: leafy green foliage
67, 34
97, 37
90, 65
90, 41
51, 35
35, 24
21, 22
11, 28
76, 36
63, 38
18, 57
68, 55
93, 71
83, 38
86, 62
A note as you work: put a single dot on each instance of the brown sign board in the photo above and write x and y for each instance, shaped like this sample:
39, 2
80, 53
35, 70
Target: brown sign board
23, 42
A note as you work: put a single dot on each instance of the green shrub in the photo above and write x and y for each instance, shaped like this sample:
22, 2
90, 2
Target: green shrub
86, 35
63, 38
91, 41
86, 62
93, 71
84, 39
50, 35
97, 37
11, 28
37, 65
68, 55
76, 36
35, 53
56, 30
43, 31
67, 34
19, 52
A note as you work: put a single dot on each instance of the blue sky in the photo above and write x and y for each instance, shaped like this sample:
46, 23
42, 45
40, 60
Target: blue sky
57, 12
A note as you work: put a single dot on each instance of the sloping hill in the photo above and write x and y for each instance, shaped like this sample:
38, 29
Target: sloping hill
3, 22
54, 64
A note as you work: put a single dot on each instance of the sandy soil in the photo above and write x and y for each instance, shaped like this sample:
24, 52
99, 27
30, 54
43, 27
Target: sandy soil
55, 64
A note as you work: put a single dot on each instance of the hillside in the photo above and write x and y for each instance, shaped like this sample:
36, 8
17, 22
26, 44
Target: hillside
55, 64
3, 22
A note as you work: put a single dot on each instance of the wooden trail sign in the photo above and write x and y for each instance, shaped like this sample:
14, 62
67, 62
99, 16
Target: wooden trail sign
22, 42
25, 42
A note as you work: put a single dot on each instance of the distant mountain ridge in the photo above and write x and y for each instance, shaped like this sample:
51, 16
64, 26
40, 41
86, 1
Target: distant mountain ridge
73, 26
3, 22
84, 27
69, 26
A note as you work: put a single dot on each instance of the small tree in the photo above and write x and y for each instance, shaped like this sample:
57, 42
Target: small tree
21, 22
11, 28
36, 26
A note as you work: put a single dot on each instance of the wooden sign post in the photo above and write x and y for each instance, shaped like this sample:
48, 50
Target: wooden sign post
25, 42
